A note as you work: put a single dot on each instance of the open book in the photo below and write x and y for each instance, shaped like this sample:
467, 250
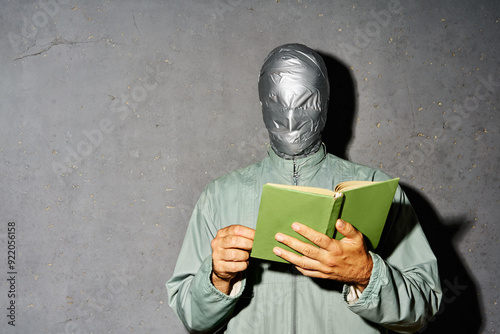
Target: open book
364, 204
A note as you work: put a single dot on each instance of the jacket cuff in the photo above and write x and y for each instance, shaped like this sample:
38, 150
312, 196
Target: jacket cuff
236, 291
208, 308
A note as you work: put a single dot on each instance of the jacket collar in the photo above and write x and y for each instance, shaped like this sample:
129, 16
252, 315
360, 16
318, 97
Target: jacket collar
304, 167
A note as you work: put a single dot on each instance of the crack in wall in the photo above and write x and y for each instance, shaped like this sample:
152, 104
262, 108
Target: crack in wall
136, 27
57, 41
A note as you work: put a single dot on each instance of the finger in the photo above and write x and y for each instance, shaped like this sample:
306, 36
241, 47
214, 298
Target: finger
298, 260
303, 248
244, 231
319, 239
234, 267
347, 229
312, 273
227, 269
237, 242
233, 255
238, 230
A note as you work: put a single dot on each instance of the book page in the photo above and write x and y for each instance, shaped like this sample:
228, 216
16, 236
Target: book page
312, 190
347, 185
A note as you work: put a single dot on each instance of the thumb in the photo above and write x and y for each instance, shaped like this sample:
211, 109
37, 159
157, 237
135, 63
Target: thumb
346, 229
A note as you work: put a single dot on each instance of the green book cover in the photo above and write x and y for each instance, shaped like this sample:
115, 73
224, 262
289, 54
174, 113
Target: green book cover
366, 207
280, 206
364, 204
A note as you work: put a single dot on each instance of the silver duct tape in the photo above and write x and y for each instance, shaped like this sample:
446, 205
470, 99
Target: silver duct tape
294, 91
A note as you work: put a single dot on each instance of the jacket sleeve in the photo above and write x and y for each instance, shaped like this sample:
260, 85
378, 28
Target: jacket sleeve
192, 296
404, 291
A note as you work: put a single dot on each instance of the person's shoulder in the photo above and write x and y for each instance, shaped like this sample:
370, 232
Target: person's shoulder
356, 171
237, 177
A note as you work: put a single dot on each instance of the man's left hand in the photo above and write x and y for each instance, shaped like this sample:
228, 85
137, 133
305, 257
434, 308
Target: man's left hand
346, 261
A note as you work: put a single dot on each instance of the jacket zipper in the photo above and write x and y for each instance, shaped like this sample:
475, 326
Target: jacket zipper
295, 177
292, 269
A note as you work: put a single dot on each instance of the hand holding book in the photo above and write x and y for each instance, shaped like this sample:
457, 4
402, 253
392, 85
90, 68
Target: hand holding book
364, 204
346, 260
230, 252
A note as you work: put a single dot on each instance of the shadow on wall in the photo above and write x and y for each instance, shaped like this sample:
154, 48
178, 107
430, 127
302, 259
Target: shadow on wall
460, 310
341, 108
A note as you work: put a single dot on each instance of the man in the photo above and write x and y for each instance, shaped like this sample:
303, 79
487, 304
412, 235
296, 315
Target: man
337, 287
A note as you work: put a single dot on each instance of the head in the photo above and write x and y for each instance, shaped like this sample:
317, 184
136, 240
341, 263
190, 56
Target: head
294, 91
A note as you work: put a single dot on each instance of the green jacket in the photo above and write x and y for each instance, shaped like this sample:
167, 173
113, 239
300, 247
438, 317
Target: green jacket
404, 291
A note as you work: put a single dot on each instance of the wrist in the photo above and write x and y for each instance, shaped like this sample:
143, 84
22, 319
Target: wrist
222, 284
364, 279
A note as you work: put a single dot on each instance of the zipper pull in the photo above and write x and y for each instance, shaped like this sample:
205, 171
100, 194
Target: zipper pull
295, 173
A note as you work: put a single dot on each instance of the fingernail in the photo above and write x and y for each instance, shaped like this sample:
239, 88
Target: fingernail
277, 251
279, 237
295, 226
340, 223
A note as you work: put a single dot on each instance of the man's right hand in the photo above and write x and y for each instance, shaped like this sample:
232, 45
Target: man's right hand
230, 253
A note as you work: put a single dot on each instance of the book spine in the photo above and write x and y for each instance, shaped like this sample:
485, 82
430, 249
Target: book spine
337, 204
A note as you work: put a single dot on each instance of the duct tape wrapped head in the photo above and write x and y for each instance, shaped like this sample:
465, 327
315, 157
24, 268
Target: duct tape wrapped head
294, 92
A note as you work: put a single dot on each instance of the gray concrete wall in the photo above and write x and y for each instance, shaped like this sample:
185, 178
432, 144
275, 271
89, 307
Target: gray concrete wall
114, 115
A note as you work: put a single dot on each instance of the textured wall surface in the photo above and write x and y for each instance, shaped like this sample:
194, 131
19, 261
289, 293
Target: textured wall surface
114, 115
